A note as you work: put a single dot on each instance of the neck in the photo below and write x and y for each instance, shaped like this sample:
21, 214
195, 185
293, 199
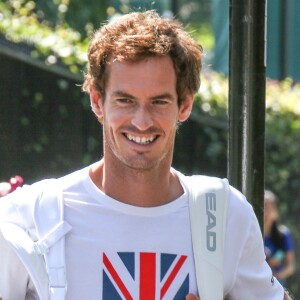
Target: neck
145, 188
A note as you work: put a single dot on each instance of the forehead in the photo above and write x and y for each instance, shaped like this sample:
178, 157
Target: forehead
269, 203
148, 73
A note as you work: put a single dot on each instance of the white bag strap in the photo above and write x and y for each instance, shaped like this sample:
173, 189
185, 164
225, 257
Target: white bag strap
208, 204
51, 229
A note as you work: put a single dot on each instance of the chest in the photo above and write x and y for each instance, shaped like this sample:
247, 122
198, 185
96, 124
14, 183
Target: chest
115, 255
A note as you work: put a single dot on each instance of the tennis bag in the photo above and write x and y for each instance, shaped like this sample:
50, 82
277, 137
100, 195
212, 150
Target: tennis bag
208, 203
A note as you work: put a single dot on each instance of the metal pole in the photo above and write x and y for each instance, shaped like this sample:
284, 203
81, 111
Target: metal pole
175, 7
247, 69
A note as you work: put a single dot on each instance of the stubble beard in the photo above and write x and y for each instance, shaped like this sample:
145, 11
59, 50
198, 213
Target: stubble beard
138, 162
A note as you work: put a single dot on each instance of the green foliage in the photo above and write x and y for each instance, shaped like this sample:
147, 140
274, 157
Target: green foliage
20, 22
283, 141
202, 33
59, 30
213, 94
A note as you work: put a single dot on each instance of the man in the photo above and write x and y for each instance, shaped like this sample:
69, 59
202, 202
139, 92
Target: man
131, 236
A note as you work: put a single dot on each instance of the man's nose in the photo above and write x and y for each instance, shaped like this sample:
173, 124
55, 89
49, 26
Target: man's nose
142, 118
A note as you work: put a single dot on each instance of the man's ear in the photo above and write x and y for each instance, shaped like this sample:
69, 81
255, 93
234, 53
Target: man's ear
185, 108
96, 102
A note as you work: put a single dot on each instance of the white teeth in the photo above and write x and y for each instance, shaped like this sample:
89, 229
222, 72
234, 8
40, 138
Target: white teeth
140, 140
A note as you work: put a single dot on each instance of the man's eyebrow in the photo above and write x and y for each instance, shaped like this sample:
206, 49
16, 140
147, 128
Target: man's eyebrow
163, 96
120, 93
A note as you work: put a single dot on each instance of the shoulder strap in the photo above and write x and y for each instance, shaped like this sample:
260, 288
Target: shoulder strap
208, 204
51, 229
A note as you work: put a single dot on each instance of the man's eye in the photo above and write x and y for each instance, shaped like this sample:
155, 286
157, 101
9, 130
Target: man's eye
160, 102
124, 100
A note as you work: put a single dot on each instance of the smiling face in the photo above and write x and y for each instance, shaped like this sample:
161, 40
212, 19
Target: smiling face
140, 113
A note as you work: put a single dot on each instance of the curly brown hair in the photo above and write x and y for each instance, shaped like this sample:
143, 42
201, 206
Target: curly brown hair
138, 35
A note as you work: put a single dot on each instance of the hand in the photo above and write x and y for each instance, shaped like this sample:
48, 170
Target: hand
191, 297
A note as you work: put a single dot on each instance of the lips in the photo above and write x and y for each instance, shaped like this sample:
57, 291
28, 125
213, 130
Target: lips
141, 140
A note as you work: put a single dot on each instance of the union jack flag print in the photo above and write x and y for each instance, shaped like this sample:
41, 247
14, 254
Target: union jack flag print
144, 276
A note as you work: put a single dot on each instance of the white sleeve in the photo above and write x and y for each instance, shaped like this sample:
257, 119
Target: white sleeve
252, 278
15, 283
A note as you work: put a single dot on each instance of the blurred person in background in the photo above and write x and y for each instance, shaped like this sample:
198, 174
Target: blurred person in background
279, 246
